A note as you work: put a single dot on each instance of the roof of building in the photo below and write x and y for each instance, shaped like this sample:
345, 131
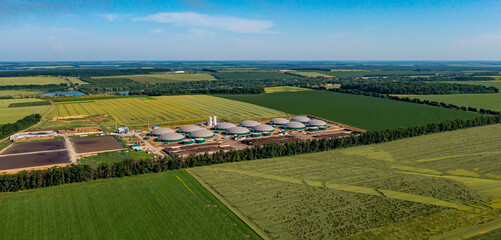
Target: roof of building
202, 133
249, 123
263, 128
160, 131
316, 123
295, 125
301, 119
189, 128
224, 126
238, 130
279, 121
173, 136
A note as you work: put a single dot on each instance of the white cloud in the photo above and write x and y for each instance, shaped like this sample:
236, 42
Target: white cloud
198, 20
197, 33
110, 17
157, 31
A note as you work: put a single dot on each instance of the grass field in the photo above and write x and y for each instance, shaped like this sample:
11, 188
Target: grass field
438, 185
252, 75
165, 110
311, 74
284, 89
165, 78
116, 156
359, 111
18, 93
491, 101
153, 206
10, 115
40, 80
75, 80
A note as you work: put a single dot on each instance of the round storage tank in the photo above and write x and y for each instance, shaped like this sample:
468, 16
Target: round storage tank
223, 126
263, 128
238, 131
249, 123
301, 119
279, 121
200, 140
316, 123
201, 134
256, 135
189, 129
294, 126
188, 141
267, 134
160, 131
171, 137
313, 129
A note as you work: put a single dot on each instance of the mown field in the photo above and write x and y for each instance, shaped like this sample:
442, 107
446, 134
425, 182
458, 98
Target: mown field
39, 80
284, 89
491, 101
10, 115
252, 75
359, 111
164, 110
311, 74
443, 185
18, 93
154, 206
166, 78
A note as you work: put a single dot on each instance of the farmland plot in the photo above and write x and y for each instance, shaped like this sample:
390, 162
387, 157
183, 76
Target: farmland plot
39, 80
415, 188
10, 115
166, 78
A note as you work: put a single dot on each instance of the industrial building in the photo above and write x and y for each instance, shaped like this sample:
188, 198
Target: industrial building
301, 119
171, 137
160, 131
249, 123
189, 129
202, 133
294, 126
224, 126
278, 121
238, 131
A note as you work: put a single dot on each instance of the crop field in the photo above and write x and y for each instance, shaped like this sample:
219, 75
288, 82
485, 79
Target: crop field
164, 110
169, 205
75, 80
311, 74
10, 115
18, 93
284, 89
442, 185
255, 75
40, 80
166, 78
364, 112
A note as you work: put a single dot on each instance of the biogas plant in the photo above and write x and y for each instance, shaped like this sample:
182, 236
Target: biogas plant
212, 136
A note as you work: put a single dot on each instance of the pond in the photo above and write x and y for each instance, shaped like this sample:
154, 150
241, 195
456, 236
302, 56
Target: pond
65, 93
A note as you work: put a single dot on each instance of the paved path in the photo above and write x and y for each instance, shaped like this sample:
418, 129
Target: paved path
71, 149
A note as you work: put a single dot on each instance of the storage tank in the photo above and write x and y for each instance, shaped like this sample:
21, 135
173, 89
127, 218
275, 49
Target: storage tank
160, 131
294, 126
316, 123
301, 119
189, 129
238, 131
278, 121
249, 123
263, 128
171, 137
224, 126
202, 133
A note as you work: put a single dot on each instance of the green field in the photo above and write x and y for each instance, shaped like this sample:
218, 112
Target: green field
10, 115
40, 80
76, 80
284, 89
491, 101
153, 206
116, 156
252, 75
18, 93
311, 74
164, 110
166, 78
359, 111
445, 184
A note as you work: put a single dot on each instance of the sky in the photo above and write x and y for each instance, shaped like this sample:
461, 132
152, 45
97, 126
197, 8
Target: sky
105, 30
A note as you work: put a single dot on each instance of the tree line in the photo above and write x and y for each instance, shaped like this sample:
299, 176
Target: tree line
420, 88
11, 128
80, 72
80, 173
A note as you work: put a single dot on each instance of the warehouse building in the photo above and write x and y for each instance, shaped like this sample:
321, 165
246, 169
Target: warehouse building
171, 137
294, 126
278, 121
238, 131
301, 119
160, 131
224, 126
188, 129
249, 123
202, 133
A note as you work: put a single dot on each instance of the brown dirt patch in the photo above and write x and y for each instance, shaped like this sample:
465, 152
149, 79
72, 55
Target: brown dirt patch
96, 144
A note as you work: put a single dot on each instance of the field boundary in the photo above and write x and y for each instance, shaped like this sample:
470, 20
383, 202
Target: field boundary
256, 228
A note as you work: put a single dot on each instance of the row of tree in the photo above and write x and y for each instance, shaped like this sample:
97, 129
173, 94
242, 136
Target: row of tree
421, 88
11, 128
79, 173
81, 72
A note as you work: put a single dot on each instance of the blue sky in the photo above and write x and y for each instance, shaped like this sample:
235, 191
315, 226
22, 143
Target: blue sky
57, 30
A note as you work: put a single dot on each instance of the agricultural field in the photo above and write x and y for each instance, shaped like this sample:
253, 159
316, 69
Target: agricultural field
311, 74
168, 205
444, 186
76, 80
364, 112
117, 156
39, 80
252, 75
10, 115
284, 89
164, 110
18, 93
166, 78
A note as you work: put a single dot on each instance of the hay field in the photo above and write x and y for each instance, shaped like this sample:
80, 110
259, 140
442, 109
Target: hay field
445, 184
359, 111
38, 80
284, 89
311, 74
18, 93
164, 110
10, 115
153, 206
166, 78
